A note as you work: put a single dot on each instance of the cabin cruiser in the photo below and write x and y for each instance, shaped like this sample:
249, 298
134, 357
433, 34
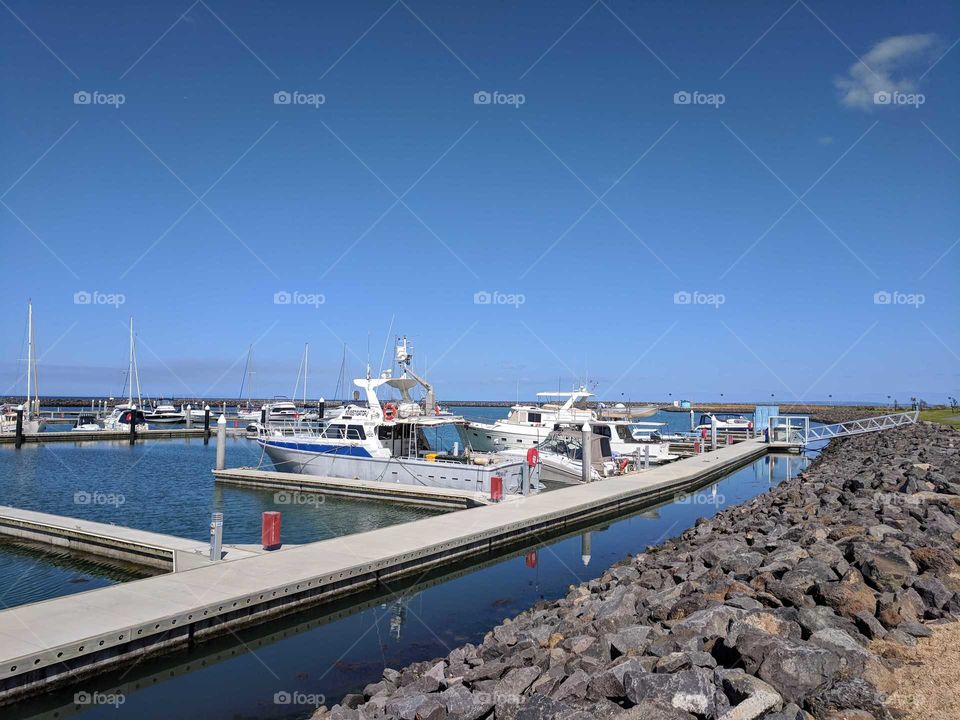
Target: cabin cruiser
164, 413
560, 457
282, 411
8, 420
528, 425
387, 442
248, 413
122, 416
726, 423
643, 442
86, 422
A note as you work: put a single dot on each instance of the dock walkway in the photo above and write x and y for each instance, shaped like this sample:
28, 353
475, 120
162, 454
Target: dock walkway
61, 640
154, 550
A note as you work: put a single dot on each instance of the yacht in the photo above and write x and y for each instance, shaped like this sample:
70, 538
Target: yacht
164, 413
86, 423
32, 422
388, 442
282, 410
528, 425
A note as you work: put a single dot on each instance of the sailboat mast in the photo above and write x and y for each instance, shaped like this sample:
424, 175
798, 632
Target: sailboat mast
29, 357
130, 368
306, 359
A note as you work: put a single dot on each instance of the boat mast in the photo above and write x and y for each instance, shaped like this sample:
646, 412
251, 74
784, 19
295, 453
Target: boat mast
29, 356
130, 368
306, 359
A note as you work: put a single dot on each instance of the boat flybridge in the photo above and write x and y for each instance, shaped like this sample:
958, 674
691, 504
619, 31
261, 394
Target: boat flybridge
529, 425
388, 442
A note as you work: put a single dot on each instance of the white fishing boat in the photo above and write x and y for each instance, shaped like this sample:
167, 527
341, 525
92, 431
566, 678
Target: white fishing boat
86, 423
726, 423
388, 442
528, 425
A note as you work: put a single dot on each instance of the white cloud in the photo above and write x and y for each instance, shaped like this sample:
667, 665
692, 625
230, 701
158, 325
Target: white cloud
890, 66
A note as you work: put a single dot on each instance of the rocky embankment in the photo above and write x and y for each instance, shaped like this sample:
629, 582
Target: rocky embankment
783, 608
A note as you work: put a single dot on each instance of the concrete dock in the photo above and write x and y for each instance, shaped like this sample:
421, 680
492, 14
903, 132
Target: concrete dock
139, 547
297, 483
62, 640
114, 435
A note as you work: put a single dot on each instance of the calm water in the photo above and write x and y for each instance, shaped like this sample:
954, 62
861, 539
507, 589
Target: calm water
341, 647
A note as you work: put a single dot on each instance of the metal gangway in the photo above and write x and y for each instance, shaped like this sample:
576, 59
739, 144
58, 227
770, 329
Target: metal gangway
796, 431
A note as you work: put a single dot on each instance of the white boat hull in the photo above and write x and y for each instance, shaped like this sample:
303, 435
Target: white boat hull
486, 437
293, 455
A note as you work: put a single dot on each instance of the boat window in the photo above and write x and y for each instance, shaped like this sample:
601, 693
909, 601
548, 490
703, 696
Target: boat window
355, 432
601, 430
624, 433
534, 417
334, 432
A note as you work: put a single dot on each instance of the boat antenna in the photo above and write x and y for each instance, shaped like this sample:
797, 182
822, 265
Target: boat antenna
386, 341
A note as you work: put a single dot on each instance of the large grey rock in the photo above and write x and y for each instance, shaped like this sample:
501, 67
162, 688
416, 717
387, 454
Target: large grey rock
885, 568
711, 623
464, 705
692, 691
653, 710
609, 682
798, 671
632, 640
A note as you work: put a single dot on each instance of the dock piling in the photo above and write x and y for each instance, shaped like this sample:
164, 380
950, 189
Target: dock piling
586, 464
222, 442
132, 414
646, 457
19, 440
206, 425
189, 417
713, 432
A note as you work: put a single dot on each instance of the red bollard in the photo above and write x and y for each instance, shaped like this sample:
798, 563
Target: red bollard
496, 488
270, 531
696, 447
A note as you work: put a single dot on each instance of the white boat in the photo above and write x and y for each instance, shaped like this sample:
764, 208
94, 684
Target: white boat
726, 423
120, 418
282, 411
86, 423
387, 442
560, 457
640, 441
164, 413
529, 425
31, 421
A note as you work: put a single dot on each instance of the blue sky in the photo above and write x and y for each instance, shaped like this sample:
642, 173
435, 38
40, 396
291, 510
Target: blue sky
731, 244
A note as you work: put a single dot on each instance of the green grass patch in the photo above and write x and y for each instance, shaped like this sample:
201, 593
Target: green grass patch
944, 416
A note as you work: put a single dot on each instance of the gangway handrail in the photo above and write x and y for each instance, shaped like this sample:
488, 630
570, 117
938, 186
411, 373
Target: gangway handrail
796, 429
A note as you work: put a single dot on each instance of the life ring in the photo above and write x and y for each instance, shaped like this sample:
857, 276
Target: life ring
390, 411
533, 457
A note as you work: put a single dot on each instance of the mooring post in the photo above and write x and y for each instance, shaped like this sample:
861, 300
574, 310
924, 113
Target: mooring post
586, 541
646, 456
222, 442
692, 426
216, 535
586, 437
263, 417
133, 424
206, 424
713, 432
189, 418
525, 478
321, 408
19, 440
